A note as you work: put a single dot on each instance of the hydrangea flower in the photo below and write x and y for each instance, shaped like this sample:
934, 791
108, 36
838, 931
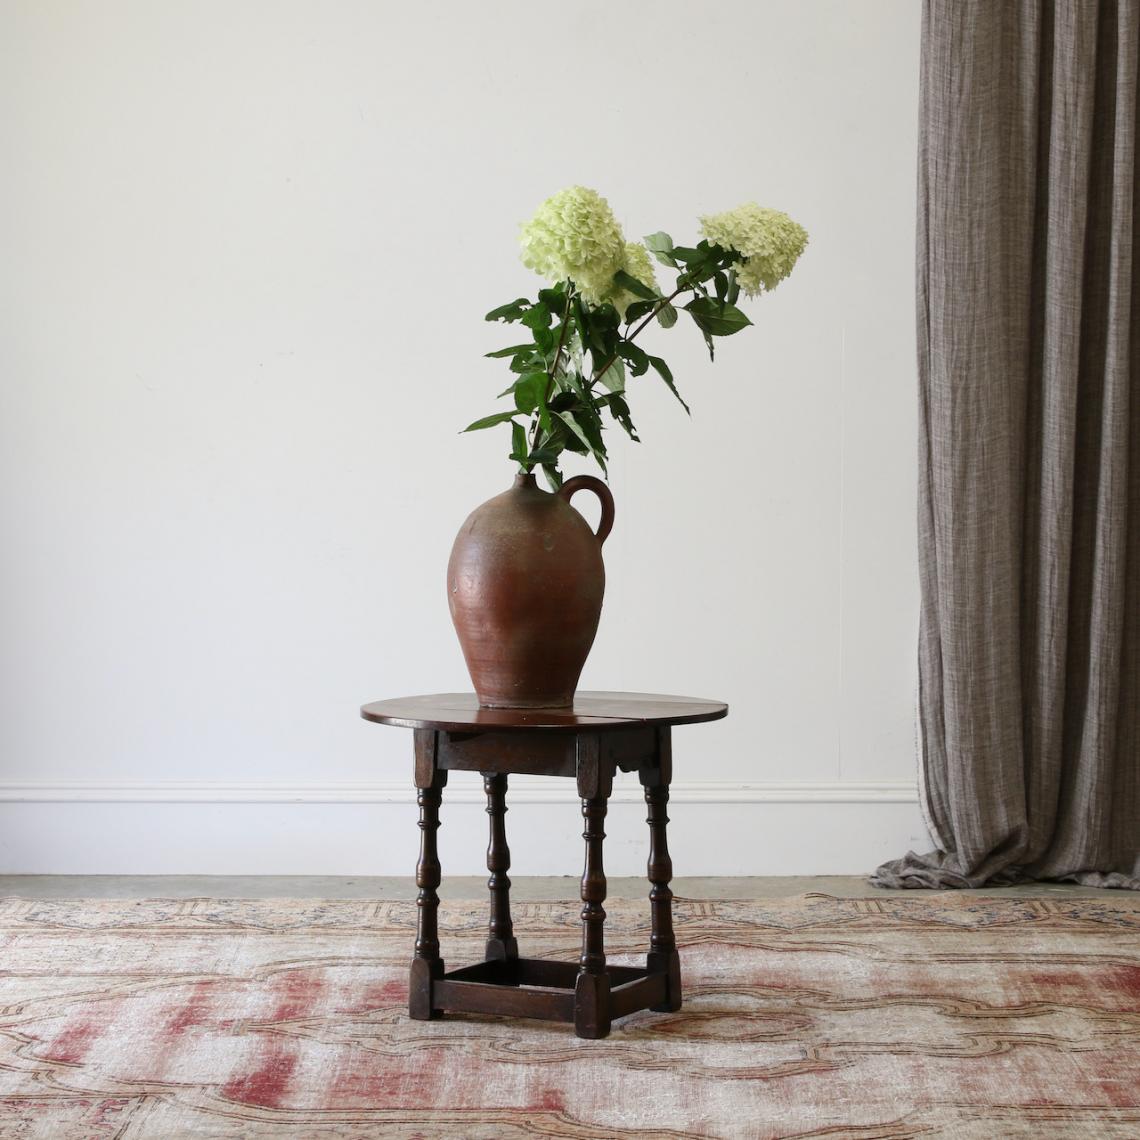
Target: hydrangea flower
574, 234
637, 263
769, 240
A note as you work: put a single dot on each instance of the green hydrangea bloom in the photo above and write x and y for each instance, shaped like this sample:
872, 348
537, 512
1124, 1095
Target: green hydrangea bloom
769, 240
574, 234
637, 262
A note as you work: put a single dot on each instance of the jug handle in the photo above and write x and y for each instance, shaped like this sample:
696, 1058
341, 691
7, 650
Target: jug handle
588, 483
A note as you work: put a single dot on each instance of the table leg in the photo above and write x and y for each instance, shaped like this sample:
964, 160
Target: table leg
427, 966
662, 942
592, 990
501, 943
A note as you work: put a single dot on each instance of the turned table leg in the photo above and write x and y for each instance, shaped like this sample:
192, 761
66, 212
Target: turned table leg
592, 990
501, 942
662, 955
427, 966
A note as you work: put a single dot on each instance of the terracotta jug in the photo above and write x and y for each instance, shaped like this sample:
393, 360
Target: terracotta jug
525, 585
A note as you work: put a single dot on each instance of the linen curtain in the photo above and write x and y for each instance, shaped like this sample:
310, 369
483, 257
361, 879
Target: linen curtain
1029, 502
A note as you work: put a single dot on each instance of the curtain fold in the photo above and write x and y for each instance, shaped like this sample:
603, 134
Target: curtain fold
1029, 497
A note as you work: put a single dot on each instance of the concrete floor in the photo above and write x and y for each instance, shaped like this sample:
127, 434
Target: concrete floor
564, 887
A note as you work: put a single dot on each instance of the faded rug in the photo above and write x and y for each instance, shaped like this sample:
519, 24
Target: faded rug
945, 1016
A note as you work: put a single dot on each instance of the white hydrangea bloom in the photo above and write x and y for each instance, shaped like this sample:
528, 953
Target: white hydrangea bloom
769, 240
574, 234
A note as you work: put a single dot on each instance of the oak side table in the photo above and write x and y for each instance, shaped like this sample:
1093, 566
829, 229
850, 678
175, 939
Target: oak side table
602, 733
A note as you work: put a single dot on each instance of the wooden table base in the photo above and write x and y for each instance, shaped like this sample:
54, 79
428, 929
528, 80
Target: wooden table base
626, 733
534, 987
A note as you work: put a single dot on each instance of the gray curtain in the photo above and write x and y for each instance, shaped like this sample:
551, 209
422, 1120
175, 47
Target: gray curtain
1029, 512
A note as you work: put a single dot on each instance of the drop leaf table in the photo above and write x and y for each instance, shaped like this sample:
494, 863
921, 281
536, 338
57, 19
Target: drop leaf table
602, 733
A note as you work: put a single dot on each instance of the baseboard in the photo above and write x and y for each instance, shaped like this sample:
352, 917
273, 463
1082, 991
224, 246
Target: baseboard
523, 790
716, 828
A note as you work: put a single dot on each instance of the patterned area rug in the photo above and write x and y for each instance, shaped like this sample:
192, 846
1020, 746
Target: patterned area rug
898, 1016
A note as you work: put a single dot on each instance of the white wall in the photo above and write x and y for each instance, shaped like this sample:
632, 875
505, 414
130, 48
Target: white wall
246, 250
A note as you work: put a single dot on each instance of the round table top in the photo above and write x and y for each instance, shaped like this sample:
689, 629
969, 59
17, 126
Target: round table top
598, 712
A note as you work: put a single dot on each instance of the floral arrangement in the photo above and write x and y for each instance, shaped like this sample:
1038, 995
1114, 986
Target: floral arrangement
603, 292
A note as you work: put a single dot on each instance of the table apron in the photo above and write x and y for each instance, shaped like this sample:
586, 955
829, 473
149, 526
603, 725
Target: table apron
544, 754
515, 752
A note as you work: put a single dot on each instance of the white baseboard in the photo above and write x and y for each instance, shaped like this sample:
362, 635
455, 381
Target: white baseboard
717, 828
523, 790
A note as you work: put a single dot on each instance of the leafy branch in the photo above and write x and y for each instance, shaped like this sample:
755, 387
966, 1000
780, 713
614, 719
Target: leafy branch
564, 397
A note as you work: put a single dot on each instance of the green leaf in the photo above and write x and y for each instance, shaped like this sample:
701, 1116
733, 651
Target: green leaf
664, 372
635, 357
518, 443
543, 455
490, 421
582, 315
703, 261
638, 310
591, 423
581, 393
544, 338
716, 318
529, 391
510, 312
543, 412
720, 280
660, 245
554, 298
561, 438
619, 409
613, 379
631, 285
537, 317
687, 254
590, 440
733, 288
513, 350
553, 475
667, 316
606, 318
575, 429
